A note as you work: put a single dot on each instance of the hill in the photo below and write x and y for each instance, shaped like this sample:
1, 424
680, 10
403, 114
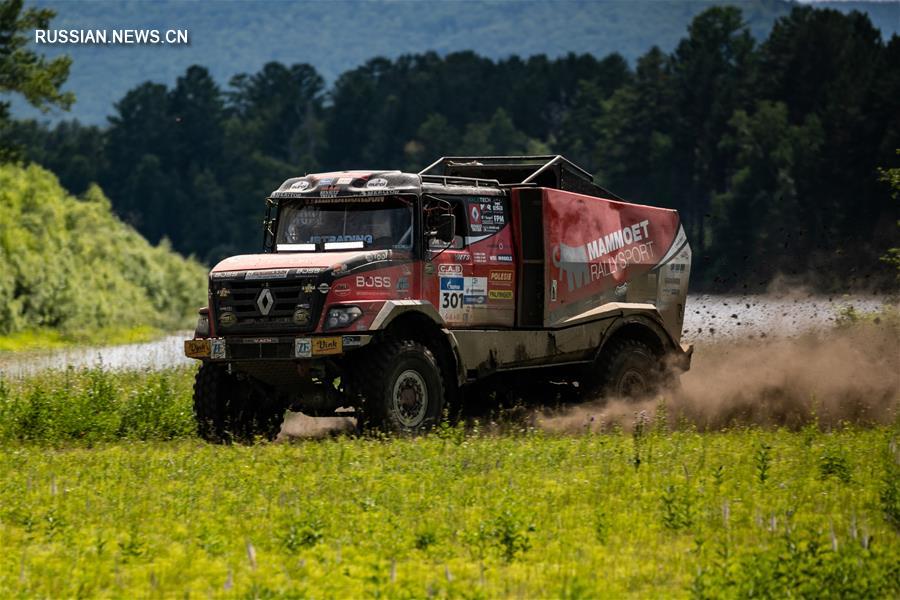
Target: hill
242, 35
68, 264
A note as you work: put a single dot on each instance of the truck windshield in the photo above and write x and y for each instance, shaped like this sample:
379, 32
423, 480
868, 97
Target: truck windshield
345, 223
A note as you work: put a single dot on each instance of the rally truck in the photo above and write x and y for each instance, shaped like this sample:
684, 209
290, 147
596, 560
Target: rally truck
394, 297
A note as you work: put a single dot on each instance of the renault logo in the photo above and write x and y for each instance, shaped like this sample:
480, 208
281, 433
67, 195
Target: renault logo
265, 301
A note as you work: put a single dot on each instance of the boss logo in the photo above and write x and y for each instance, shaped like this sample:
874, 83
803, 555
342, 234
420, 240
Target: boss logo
373, 282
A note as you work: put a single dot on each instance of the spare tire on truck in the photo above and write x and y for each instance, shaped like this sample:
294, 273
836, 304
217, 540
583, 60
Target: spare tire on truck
403, 387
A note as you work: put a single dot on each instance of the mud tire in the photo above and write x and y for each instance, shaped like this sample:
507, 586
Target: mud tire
403, 388
627, 369
229, 410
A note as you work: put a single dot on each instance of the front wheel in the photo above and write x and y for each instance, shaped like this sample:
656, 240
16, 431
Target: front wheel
404, 390
228, 409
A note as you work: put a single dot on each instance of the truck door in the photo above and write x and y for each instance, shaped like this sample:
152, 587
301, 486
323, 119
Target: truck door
475, 275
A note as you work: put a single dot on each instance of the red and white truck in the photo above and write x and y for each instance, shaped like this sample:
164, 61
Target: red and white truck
392, 295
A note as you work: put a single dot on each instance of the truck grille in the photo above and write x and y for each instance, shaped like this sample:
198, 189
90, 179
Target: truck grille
275, 311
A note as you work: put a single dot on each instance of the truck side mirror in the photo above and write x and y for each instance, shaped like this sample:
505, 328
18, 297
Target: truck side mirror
446, 227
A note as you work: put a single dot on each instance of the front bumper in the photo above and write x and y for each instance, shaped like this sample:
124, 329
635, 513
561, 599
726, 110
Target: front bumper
272, 348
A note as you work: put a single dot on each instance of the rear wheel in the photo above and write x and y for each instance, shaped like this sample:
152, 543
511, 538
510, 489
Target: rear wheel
403, 387
228, 409
626, 369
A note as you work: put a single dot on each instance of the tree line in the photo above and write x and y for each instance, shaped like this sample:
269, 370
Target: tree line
770, 151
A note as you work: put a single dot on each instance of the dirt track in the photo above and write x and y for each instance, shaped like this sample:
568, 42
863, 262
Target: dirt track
712, 318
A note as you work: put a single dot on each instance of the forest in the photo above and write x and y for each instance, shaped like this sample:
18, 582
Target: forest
772, 151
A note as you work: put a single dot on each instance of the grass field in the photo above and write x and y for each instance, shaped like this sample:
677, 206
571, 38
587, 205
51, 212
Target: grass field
88, 509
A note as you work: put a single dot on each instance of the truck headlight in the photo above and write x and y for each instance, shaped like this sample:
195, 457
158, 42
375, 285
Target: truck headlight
341, 316
202, 329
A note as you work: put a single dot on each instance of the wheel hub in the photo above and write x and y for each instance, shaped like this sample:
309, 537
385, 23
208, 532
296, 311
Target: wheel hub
410, 398
633, 384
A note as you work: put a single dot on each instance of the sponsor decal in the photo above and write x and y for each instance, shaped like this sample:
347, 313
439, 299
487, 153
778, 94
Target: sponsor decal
403, 284
373, 281
344, 180
226, 274
227, 318
217, 349
462, 257
348, 237
196, 348
475, 290
486, 215
223, 293
500, 294
454, 284
501, 276
331, 191
303, 347
260, 340
327, 345
451, 302
323, 288
480, 257
377, 256
309, 288
352, 341
341, 289
326, 181
308, 270
300, 185
347, 200
605, 255
505, 258
271, 274
450, 269
377, 182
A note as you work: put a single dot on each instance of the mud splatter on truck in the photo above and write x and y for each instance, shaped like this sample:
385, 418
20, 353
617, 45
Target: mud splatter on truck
392, 296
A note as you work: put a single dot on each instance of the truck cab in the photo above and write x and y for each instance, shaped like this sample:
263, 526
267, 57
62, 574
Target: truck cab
392, 294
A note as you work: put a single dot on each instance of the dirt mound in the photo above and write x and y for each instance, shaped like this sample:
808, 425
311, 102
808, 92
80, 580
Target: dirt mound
845, 374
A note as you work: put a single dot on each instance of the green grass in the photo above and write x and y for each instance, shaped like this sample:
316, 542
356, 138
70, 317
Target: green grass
104, 491
33, 340
88, 406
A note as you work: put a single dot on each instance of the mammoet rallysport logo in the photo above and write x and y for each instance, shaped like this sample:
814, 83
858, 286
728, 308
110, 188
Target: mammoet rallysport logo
604, 255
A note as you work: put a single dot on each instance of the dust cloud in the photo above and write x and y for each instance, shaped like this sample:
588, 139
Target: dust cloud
846, 374
300, 426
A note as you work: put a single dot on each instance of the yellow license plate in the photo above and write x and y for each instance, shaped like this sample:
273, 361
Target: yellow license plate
327, 345
196, 348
